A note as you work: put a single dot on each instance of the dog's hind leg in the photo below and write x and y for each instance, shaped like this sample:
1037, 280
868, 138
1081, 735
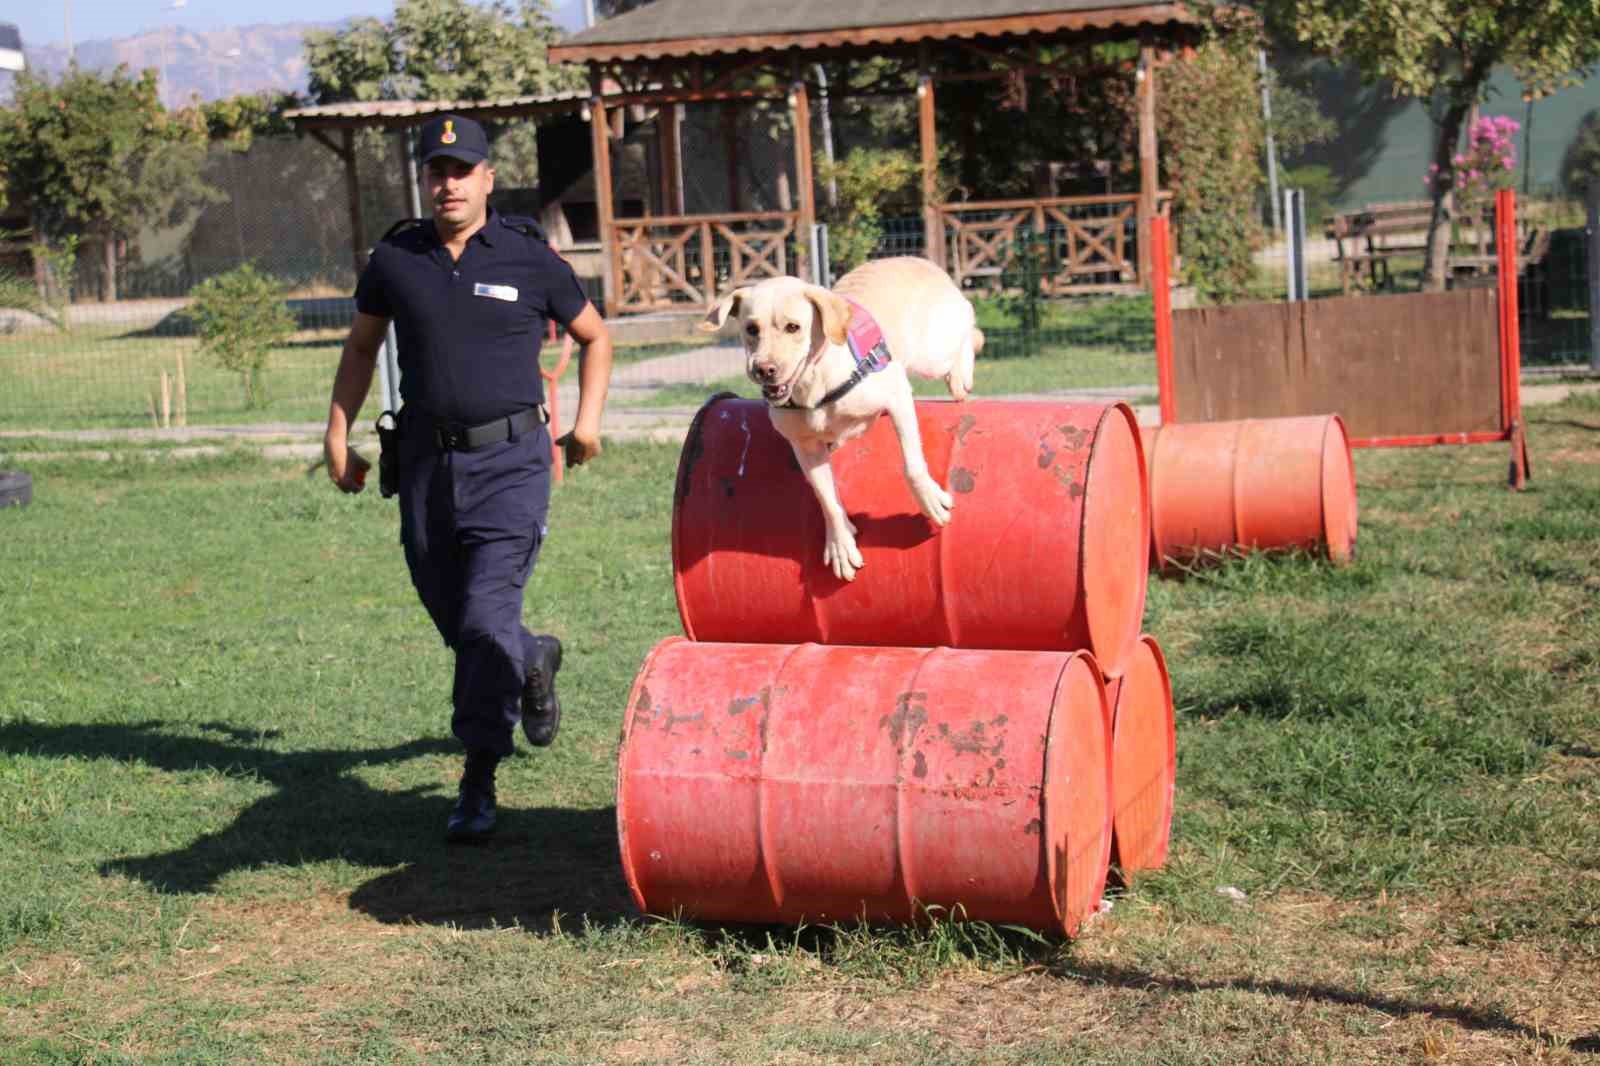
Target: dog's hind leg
839, 551
935, 502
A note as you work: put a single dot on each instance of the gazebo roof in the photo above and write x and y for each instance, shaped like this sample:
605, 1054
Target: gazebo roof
389, 113
673, 28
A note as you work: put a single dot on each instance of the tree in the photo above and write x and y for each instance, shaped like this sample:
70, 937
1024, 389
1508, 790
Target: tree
98, 153
440, 50
1443, 51
446, 50
236, 121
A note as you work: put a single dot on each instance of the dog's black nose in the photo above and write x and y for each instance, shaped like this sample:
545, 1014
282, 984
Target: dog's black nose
766, 372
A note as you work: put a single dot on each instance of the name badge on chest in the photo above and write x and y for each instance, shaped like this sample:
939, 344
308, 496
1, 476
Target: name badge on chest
507, 293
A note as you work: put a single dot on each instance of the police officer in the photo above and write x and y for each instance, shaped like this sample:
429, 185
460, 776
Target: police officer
470, 292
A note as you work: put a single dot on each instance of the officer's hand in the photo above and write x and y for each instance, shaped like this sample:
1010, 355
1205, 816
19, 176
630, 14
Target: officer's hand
346, 467
579, 446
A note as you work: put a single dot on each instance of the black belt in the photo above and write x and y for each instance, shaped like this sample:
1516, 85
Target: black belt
454, 437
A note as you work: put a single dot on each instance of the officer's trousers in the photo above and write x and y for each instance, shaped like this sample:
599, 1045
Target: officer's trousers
472, 523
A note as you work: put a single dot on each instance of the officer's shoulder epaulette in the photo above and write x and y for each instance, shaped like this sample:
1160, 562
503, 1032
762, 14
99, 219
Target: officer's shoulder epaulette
526, 226
403, 226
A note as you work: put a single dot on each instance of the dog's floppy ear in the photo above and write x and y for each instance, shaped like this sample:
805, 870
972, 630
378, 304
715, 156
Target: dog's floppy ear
728, 305
834, 310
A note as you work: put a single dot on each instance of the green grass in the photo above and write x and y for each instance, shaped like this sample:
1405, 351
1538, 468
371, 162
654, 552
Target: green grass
225, 763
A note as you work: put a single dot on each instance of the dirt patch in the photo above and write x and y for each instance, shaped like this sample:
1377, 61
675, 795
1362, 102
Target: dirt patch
288, 964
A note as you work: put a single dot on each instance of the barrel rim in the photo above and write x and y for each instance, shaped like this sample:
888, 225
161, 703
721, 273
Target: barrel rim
1341, 543
1070, 914
1158, 658
1111, 660
619, 801
686, 460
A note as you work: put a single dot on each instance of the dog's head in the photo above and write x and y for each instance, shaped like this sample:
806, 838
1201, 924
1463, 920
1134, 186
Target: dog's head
784, 322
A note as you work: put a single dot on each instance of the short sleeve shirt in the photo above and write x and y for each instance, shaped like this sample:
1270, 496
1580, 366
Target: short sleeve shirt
469, 330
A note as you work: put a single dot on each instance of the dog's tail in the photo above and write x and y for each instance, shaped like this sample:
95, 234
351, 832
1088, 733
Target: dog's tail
960, 377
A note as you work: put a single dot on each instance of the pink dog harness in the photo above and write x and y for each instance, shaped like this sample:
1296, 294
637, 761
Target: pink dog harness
864, 338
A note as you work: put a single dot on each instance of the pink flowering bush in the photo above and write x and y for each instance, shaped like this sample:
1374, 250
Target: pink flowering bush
1488, 164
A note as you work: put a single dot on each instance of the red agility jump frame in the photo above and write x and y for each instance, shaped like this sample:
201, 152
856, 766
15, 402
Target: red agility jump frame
1325, 396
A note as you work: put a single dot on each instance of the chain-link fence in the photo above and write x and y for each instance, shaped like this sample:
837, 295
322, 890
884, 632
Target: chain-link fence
284, 206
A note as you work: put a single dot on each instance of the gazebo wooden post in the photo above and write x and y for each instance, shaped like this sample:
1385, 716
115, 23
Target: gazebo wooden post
800, 109
730, 148
352, 185
346, 151
600, 137
671, 160
932, 219
1149, 173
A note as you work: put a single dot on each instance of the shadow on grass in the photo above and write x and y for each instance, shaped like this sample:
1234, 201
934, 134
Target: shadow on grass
1569, 423
1479, 1019
540, 862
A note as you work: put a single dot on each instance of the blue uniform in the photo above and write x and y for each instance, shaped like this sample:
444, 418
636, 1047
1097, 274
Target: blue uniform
472, 519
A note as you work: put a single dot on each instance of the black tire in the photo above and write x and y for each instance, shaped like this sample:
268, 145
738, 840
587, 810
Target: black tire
16, 489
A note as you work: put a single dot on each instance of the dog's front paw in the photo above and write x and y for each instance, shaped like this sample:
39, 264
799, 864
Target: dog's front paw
841, 555
935, 502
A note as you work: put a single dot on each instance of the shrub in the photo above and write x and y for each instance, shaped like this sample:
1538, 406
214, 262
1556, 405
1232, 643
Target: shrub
1211, 119
241, 317
866, 178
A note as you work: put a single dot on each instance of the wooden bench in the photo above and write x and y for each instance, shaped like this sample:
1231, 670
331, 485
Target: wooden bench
1379, 233
1533, 242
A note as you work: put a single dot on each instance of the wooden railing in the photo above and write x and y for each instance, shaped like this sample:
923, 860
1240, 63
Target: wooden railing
686, 260
1089, 241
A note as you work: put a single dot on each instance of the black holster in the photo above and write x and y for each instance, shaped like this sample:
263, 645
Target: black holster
388, 428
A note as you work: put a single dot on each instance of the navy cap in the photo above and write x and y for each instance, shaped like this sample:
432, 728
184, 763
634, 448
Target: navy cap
454, 136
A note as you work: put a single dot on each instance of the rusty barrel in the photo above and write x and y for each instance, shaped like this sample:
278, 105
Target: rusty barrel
1143, 760
1268, 484
1045, 550
790, 783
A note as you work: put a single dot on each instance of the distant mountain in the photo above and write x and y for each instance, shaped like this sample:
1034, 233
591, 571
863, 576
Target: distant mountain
211, 64
216, 63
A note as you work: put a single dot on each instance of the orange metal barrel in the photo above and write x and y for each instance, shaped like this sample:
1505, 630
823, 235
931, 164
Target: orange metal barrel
1143, 760
789, 783
1045, 550
1260, 484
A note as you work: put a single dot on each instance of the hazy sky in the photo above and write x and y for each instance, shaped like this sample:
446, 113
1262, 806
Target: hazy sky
45, 21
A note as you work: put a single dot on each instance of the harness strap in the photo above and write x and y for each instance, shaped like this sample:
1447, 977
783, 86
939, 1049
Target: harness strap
871, 351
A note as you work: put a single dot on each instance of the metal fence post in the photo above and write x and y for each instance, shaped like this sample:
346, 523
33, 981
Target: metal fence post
1592, 248
1294, 217
822, 269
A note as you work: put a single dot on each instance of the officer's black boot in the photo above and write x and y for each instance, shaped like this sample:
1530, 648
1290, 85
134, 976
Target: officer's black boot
541, 711
472, 818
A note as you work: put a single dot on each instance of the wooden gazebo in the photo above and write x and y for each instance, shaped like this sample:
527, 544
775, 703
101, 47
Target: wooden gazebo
335, 126
738, 52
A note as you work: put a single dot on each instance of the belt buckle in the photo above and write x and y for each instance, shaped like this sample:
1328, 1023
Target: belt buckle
449, 438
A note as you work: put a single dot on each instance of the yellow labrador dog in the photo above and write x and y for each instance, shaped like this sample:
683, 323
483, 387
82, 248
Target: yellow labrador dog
822, 368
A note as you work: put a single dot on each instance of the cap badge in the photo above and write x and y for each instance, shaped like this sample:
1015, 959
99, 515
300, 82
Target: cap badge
449, 135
